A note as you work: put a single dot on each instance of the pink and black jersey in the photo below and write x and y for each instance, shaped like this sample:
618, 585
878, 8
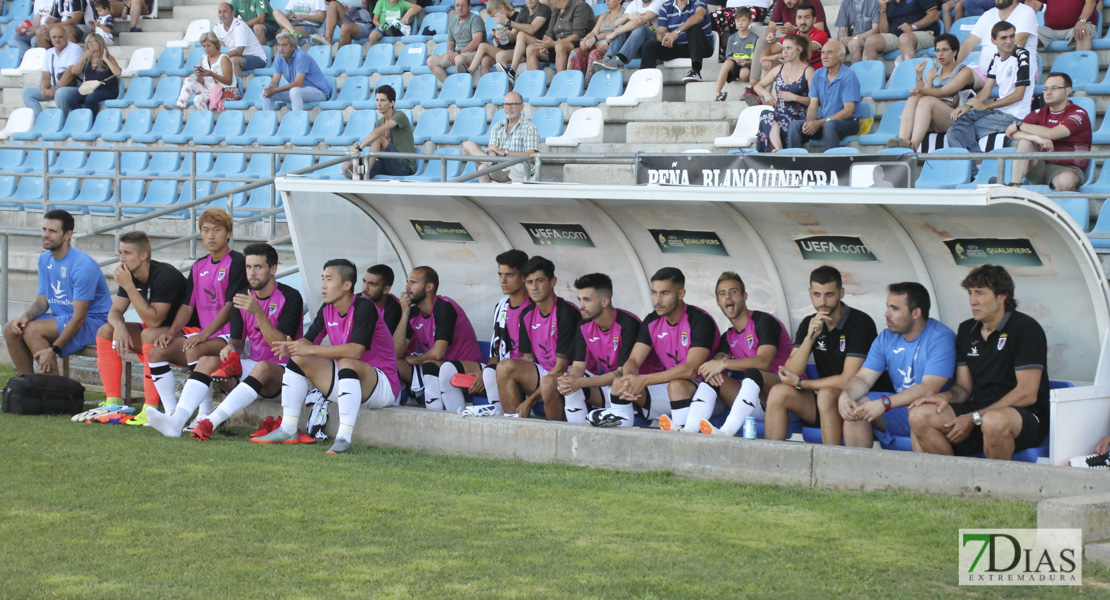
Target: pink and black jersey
449, 323
391, 312
284, 309
505, 342
762, 329
213, 283
694, 329
550, 336
363, 324
604, 351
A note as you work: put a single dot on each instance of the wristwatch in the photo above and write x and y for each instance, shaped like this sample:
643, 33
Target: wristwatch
914, 26
975, 418
886, 403
798, 386
56, 349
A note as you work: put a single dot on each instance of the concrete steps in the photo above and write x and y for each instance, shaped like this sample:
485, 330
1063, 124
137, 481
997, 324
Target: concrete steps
676, 132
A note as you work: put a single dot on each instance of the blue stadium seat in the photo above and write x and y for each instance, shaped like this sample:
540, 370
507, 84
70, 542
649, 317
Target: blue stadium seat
988, 170
433, 168
483, 140
1088, 104
168, 122
456, 87
531, 84
68, 161
294, 123
140, 88
237, 199
7, 188
842, 150
871, 74
420, 89
603, 84
1078, 208
333, 88
28, 191
961, 28
294, 162
470, 122
360, 123
98, 191
549, 122
1102, 226
78, 121
371, 101
433, 21
1081, 66
348, 57
10, 58
49, 120
888, 125
185, 69
139, 121
163, 164
160, 193
432, 122
199, 123
1100, 185
133, 163
564, 86
259, 199
412, 55
322, 55
184, 170
262, 123
491, 89
231, 122
169, 60
228, 164
326, 123
108, 120
166, 93
355, 89
944, 174
252, 95
439, 6
17, 11
99, 163
379, 57
64, 189
901, 80
12, 160
1101, 88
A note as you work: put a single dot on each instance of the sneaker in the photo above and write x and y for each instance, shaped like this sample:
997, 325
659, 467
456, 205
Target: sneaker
266, 426
708, 429
609, 63
405, 29
202, 431
600, 417
666, 424
483, 410
305, 438
341, 446
278, 436
1092, 461
141, 418
692, 76
509, 72
135, 30
230, 368
318, 40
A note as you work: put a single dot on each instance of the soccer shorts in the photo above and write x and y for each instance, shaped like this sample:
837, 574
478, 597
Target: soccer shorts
85, 336
381, 397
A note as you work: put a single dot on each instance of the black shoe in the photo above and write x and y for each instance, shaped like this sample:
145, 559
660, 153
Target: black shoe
135, 30
692, 76
1093, 461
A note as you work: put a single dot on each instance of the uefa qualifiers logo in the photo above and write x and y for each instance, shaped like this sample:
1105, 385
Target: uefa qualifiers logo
1021, 557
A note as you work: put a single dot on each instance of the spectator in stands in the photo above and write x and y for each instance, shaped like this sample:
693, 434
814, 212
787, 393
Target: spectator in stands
683, 31
56, 83
392, 133
211, 75
592, 47
724, 19
104, 22
34, 36
571, 20
96, 64
355, 23
804, 15
306, 81
982, 116
856, 23
633, 29
513, 136
132, 10
906, 26
835, 105
529, 24
258, 15
301, 18
240, 43
740, 51
500, 46
465, 32
394, 18
70, 14
934, 95
73, 290
998, 404
1059, 126
1021, 17
960, 9
785, 19
1068, 20
787, 91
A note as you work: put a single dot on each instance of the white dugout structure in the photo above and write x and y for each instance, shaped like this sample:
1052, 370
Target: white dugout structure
773, 237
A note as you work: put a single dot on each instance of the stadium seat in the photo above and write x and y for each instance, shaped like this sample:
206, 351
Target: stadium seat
483, 140
1077, 207
371, 101
842, 150
167, 123
165, 93
187, 68
433, 168
432, 22
432, 122
962, 28
16, 10
470, 122
64, 189
49, 121
491, 89
230, 122
422, 68
227, 164
294, 162
222, 187
252, 95
199, 124
133, 163
1102, 226
169, 60
888, 125
360, 123
98, 191
293, 123
604, 84
548, 122
586, 125
946, 174
531, 84
1082, 67
1100, 185
325, 124
355, 89
333, 88
412, 55
988, 171
99, 163
871, 74
31, 63
262, 123
141, 60
456, 87
108, 120
77, 121
347, 58
138, 122
379, 57
421, 88
322, 55
793, 151
164, 164
140, 88
564, 86
160, 193
20, 120
12, 159
645, 85
9, 58
28, 191
192, 34
439, 6
747, 124
68, 161
901, 80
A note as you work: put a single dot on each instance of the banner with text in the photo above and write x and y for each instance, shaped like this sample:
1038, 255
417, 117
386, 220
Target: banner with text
778, 170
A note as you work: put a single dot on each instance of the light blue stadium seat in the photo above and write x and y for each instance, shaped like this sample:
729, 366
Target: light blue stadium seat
160, 193
603, 84
133, 163
531, 84
12, 160
96, 190
548, 122
187, 68
944, 174
258, 166
887, 126
988, 170
139, 121
231, 122
294, 123
432, 122
360, 123
10, 58
456, 87
1102, 226
259, 199
564, 86
468, 123
163, 164
7, 188
169, 60
842, 150
380, 56
199, 123
28, 191
78, 121
1082, 67
98, 163
333, 89
69, 161
483, 140
961, 28
185, 168
421, 88
1078, 207
871, 75
901, 80
793, 151
355, 89
18, 11
371, 101
439, 6
326, 123
227, 164
433, 168
62, 190
251, 95
434, 21
1100, 185
412, 55
322, 55
422, 68
262, 123
294, 162
348, 57
140, 88
237, 199
165, 93
108, 120
167, 123
49, 120
491, 89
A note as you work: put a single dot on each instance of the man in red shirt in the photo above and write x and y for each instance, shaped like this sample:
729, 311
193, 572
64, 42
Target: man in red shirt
804, 15
1060, 126
784, 19
1068, 20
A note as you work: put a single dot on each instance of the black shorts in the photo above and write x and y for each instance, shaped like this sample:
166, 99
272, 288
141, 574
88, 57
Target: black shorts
1031, 436
734, 72
816, 410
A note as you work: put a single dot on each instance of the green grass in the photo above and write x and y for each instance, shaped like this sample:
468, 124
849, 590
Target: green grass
99, 511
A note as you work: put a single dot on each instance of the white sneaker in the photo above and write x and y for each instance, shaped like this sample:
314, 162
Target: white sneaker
482, 410
1092, 461
405, 29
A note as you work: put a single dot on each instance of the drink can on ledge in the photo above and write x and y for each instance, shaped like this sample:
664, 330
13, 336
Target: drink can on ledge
749, 428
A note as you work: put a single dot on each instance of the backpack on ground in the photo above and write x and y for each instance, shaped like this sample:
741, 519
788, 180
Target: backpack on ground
41, 394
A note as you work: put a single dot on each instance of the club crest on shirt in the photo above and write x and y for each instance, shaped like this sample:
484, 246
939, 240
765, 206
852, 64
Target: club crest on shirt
751, 341
616, 343
843, 343
273, 308
221, 274
1001, 341
685, 338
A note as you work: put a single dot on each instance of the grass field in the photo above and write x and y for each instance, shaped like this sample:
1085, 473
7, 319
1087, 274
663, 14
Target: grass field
99, 511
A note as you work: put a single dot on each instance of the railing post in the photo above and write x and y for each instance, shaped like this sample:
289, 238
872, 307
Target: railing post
45, 179
3, 277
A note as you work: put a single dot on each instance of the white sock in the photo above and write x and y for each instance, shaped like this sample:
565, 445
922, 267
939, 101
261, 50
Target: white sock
575, 407
746, 403
192, 394
294, 389
701, 407
350, 398
680, 409
625, 409
452, 397
489, 378
236, 400
162, 376
433, 399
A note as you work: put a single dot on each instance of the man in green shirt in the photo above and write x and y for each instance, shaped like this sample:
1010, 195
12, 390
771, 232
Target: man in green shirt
392, 133
259, 16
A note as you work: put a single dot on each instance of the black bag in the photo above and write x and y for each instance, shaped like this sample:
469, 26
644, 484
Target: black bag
40, 394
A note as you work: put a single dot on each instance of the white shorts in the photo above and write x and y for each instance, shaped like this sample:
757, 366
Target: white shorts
381, 397
248, 366
659, 401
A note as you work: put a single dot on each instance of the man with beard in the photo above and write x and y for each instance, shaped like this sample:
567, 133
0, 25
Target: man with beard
1024, 20
376, 283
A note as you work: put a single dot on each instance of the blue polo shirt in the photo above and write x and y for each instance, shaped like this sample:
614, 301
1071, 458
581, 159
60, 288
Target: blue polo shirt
910, 11
845, 88
301, 62
672, 17
932, 352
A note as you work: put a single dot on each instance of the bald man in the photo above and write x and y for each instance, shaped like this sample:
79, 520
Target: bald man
514, 136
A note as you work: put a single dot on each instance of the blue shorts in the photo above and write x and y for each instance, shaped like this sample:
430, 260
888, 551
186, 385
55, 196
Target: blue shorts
252, 62
85, 336
897, 422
